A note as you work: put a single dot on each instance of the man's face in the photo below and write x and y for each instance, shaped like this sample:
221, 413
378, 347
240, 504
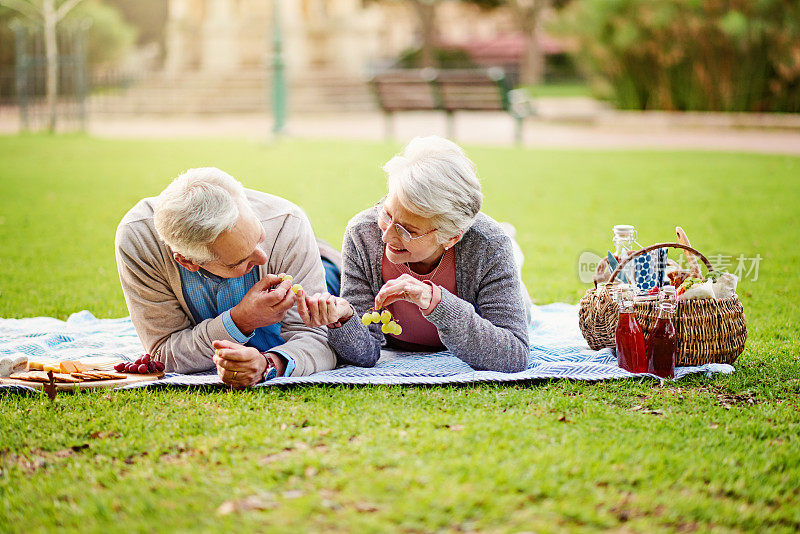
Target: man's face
237, 250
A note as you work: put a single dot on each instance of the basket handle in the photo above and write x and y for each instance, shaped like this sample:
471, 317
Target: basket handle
653, 247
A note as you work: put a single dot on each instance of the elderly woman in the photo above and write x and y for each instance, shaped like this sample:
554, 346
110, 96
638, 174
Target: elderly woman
443, 269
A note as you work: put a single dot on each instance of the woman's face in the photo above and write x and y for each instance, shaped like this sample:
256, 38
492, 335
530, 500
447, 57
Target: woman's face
422, 248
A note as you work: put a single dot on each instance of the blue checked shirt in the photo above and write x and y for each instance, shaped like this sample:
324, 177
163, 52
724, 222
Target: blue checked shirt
209, 296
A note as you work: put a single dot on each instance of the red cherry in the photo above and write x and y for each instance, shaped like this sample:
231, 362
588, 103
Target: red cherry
130, 367
146, 359
142, 369
120, 367
159, 366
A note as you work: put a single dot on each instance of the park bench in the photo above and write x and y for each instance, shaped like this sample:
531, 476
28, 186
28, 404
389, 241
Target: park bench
450, 90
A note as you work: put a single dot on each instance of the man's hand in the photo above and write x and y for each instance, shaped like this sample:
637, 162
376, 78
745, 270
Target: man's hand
266, 303
238, 366
323, 309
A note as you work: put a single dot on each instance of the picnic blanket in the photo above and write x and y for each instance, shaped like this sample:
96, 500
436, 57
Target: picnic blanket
558, 350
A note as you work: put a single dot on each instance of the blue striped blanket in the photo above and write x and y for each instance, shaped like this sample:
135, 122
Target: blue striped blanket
557, 351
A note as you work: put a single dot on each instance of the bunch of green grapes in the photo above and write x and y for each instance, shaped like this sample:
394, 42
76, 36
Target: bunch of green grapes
295, 287
388, 326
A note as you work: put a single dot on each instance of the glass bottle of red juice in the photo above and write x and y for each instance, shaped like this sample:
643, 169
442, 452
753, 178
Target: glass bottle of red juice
631, 354
662, 342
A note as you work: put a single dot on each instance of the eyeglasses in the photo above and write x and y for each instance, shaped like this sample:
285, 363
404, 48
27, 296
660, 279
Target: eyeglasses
385, 221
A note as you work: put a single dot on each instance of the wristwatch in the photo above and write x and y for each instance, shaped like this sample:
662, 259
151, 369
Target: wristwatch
269, 371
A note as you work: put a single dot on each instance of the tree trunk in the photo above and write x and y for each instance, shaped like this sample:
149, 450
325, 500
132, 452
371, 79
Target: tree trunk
51, 53
426, 12
531, 66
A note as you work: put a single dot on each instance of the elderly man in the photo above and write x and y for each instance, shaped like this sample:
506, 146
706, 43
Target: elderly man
200, 269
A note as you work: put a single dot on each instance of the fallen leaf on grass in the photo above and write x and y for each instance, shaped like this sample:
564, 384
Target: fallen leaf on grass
728, 400
261, 501
637, 407
366, 507
455, 428
563, 419
63, 453
653, 412
310, 472
713, 425
23, 462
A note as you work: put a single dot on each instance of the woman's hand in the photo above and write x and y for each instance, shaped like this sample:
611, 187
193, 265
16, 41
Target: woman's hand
404, 287
323, 309
238, 366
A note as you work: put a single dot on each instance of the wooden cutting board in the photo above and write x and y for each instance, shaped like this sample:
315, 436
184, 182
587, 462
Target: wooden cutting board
93, 362
94, 384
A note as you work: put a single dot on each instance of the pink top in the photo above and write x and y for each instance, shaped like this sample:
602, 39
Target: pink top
418, 333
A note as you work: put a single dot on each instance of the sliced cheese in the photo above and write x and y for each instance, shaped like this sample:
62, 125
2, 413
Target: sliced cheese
39, 364
69, 366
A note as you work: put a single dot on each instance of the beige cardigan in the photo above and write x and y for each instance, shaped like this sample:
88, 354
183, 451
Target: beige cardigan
152, 287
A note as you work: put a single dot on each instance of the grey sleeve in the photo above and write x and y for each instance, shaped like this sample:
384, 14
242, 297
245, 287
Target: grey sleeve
355, 343
495, 336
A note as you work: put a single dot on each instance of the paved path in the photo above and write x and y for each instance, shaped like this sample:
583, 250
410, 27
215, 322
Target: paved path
584, 129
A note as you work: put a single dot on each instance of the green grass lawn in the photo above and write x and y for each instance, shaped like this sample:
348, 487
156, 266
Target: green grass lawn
719, 454
559, 90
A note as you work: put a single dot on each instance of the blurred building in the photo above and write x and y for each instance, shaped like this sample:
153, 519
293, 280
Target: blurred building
343, 35
218, 52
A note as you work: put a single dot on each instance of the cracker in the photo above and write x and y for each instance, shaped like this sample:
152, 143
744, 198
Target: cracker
31, 376
86, 376
65, 377
112, 376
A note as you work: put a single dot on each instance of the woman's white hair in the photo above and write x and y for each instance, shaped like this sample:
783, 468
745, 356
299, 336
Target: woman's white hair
196, 208
435, 179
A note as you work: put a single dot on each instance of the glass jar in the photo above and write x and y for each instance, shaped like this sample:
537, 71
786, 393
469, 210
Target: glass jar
624, 242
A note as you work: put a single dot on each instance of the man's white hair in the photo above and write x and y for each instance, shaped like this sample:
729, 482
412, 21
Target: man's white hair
434, 178
196, 208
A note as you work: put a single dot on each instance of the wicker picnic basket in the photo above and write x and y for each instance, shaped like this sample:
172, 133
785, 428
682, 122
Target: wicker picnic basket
709, 330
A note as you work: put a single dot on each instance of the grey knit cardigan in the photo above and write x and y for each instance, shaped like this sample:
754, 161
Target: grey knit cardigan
485, 325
